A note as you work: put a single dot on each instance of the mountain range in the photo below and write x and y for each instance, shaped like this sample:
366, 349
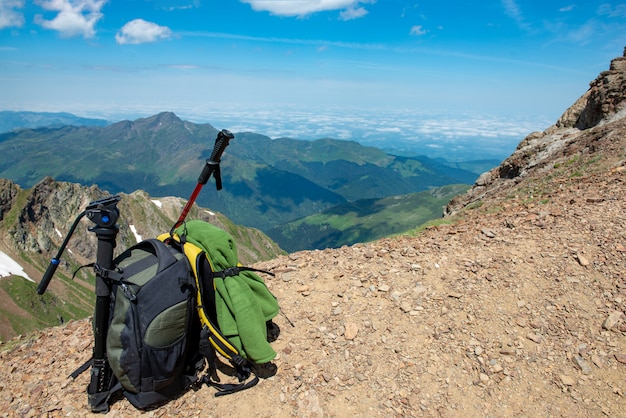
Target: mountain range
10, 120
267, 182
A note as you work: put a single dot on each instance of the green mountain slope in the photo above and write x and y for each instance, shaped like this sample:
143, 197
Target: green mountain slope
267, 182
348, 168
364, 220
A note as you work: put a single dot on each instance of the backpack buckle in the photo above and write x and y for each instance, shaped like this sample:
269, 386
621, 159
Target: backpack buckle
229, 272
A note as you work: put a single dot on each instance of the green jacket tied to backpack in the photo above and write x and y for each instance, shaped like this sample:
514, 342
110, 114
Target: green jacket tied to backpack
243, 302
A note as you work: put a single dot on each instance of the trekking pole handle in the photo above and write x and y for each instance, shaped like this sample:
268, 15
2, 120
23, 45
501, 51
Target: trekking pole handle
54, 263
221, 142
52, 268
103, 213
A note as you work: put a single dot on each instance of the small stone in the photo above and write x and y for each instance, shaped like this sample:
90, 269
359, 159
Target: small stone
612, 320
584, 366
488, 233
621, 358
567, 380
419, 289
383, 288
534, 338
406, 307
351, 332
597, 361
507, 351
582, 260
583, 349
484, 378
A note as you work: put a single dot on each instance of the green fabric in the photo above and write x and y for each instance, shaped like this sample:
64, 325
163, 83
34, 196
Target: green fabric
243, 302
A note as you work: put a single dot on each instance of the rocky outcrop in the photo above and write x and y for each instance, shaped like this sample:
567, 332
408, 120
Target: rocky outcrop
50, 207
606, 97
8, 193
576, 131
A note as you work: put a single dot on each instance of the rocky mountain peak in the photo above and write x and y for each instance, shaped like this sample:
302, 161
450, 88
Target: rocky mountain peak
605, 98
161, 119
581, 128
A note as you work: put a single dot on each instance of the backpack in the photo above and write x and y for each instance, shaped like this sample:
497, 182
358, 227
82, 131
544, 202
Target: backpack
234, 305
153, 334
168, 315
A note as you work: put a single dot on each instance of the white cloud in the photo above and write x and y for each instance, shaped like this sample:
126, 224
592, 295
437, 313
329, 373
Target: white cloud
351, 9
418, 30
139, 31
9, 16
618, 10
75, 17
352, 13
512, 9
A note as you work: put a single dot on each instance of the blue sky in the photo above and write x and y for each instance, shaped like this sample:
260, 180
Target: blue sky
448, 69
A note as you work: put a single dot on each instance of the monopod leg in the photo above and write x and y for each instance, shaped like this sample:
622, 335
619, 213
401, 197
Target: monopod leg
101, 374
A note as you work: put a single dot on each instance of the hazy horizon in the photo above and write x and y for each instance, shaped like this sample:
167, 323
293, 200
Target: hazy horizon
448, 75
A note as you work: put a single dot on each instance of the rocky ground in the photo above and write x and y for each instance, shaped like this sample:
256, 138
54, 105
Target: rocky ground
515, 307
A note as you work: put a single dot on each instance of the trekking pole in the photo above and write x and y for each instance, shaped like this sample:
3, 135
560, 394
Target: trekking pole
212, 167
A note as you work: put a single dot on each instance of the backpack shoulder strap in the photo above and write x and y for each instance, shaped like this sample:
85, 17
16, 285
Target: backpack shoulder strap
211, 338
154, 246
200, 263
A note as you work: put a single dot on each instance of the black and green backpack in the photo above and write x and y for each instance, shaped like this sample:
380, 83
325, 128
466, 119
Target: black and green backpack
179, 304
152, 337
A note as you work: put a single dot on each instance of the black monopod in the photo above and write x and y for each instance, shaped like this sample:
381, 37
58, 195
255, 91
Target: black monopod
104, 214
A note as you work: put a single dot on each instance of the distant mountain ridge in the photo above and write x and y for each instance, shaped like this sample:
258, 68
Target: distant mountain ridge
11, 120
267, 182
